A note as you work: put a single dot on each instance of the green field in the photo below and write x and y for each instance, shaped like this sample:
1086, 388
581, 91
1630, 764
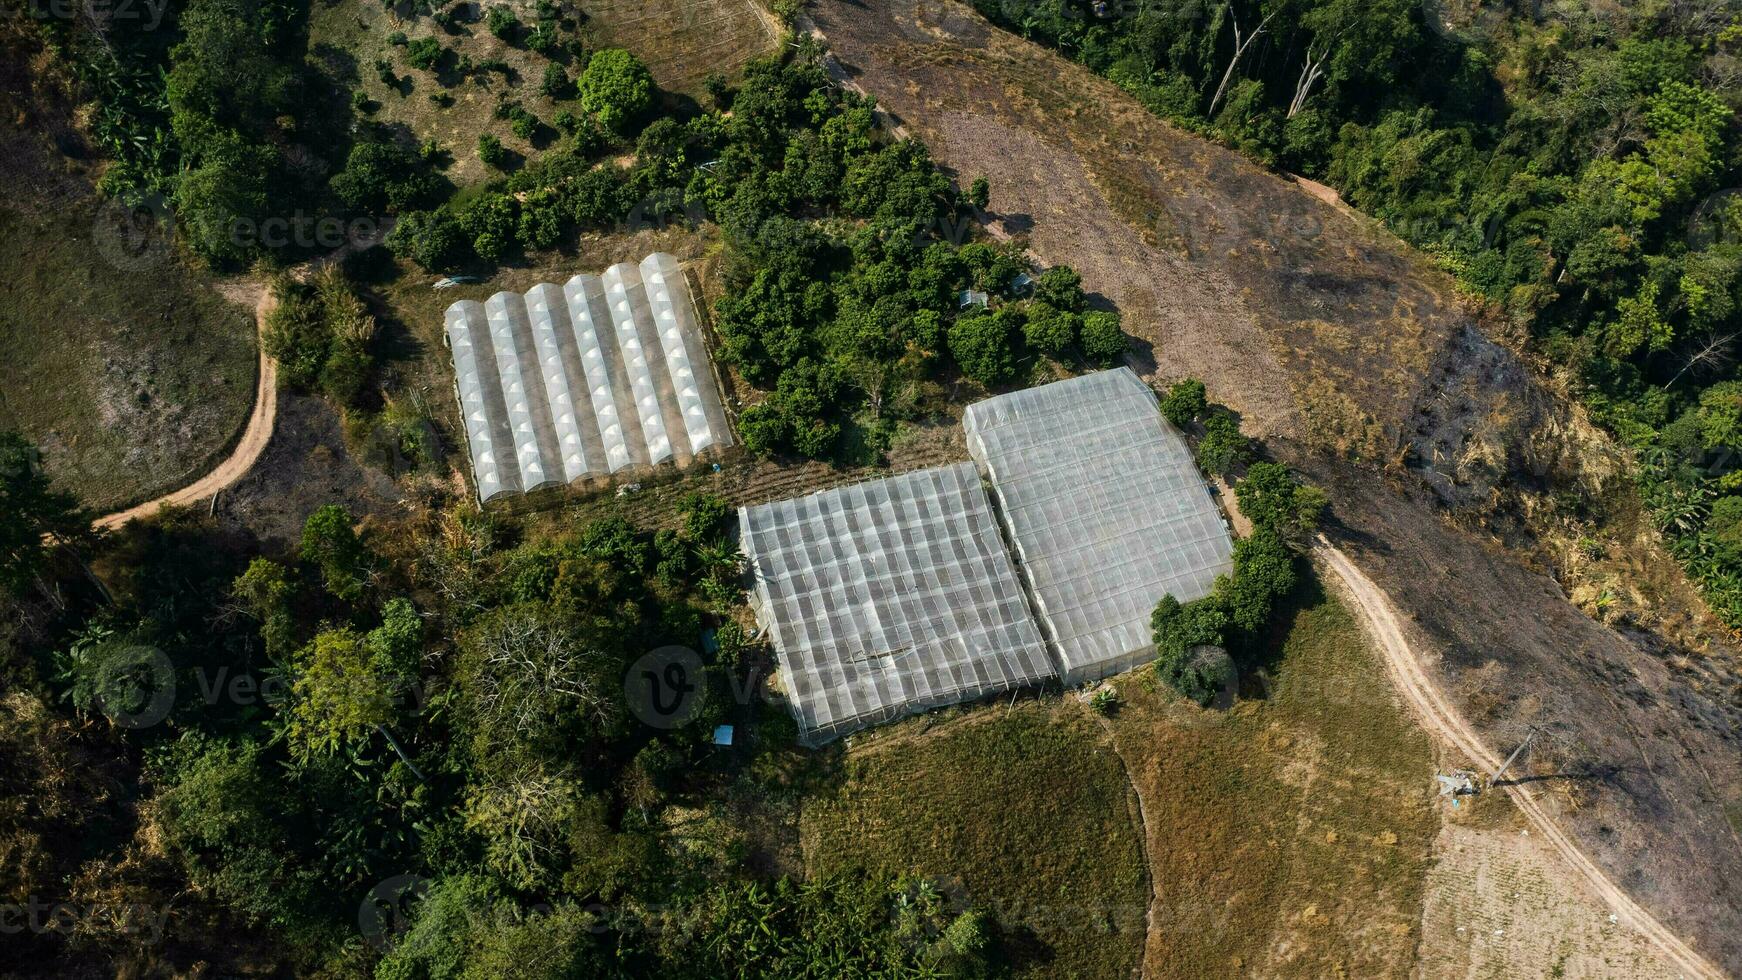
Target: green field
1025, 807
130, 372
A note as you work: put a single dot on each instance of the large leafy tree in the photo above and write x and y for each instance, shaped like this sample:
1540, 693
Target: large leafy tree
616, 88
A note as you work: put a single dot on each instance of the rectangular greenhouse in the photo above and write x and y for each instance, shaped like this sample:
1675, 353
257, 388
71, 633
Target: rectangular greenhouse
1107, 511
586, 379
889, 598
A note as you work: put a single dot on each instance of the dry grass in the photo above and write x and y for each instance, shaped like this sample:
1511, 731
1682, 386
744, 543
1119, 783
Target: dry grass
132, 375
1291, 835
1025, 805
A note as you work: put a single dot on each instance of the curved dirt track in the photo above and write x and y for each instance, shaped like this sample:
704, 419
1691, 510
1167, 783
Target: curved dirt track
248, 449
1442, 721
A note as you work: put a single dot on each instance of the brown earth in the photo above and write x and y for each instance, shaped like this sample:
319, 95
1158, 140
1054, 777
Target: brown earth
1360, 363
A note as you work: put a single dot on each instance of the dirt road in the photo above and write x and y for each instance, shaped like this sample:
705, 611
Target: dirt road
248, 448
1442, 720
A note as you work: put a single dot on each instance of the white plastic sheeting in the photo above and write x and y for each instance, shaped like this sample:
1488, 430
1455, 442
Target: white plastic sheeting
587, 379
888, 598
1106, 509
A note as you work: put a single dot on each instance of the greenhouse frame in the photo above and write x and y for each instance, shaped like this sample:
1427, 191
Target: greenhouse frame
1106, 509
602, 374
889, 598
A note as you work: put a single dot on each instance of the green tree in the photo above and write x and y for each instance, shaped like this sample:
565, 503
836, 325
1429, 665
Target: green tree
1050, 330
266, 591
432, 239
982, 346
616, 87
1272, 497
1185, 403
1061, 288
33, 516
1188, 641
330, 543
980, 193
1264, 571
1223, 448
1102, 340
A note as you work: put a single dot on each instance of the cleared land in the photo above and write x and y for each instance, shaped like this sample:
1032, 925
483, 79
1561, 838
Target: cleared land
131, 372
1026, 803
1358, 362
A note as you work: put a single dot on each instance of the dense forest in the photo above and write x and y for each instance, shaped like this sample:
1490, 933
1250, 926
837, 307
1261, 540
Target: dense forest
1572, 165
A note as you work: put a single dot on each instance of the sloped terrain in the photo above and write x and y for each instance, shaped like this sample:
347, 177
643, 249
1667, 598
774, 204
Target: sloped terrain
132, 371
1359, 363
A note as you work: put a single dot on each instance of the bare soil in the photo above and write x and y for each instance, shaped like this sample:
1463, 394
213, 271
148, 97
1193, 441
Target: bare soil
1443, 447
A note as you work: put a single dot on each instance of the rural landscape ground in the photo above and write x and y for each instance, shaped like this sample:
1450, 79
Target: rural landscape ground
1447, 610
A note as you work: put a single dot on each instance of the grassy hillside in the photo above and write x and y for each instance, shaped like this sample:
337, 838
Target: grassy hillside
1290, 836
132, 373
1026, 804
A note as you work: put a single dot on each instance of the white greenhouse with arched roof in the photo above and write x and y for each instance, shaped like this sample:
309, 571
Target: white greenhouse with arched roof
599, 375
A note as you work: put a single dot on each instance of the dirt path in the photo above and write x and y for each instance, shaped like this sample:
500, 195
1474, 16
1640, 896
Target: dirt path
248, 448
1442, 721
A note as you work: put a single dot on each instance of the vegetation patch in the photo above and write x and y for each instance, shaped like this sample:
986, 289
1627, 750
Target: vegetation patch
1027, 804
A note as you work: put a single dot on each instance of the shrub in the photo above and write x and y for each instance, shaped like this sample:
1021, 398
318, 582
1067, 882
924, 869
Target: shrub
1185, 402
524, 124
501, 22
542, 39
491, 151
424, 54
555, 83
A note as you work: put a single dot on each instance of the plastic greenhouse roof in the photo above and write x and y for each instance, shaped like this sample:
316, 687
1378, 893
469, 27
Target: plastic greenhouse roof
1106, 509
587, 379
890, 597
